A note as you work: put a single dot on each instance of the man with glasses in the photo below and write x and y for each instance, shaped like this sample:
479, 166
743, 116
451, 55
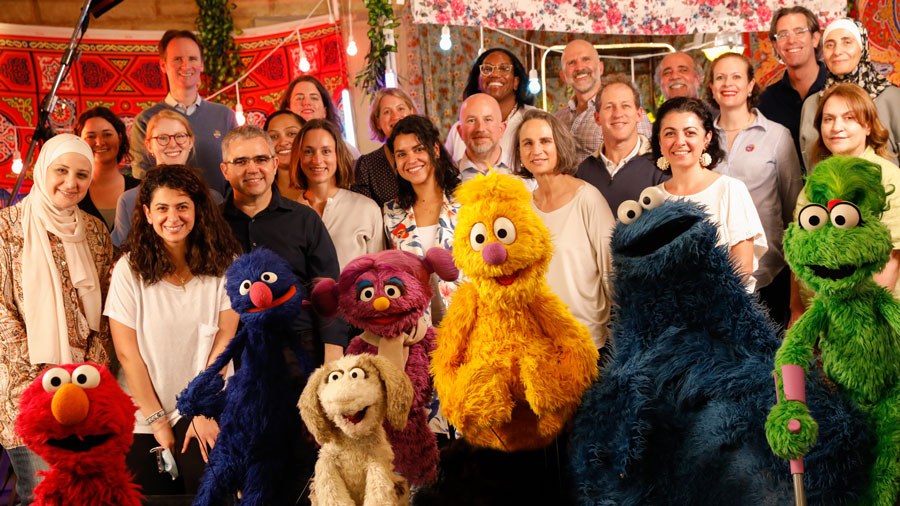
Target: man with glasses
181, 60
795, 37
581, 71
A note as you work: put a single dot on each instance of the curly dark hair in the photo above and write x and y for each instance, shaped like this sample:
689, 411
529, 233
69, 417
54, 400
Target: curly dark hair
698, 108
115, 121
445, 171
331, 110
523, 96
211, 244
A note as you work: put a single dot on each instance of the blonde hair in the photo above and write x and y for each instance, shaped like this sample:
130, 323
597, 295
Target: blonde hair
375, 111
166, 114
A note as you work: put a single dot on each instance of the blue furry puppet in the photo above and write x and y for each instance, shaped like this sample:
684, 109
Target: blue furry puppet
257, 414
678, 417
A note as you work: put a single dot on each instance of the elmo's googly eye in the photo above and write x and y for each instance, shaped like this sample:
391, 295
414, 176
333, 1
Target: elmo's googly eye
629, 211
504, 230
845, 215
86, 376
651, 198
812, 217
245, 287
269, 277
357, 373
478, 236
335, 375
55, 378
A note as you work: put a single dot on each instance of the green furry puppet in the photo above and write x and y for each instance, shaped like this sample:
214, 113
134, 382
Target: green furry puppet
835, 247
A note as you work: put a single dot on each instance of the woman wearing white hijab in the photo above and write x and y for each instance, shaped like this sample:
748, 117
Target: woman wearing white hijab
54, 264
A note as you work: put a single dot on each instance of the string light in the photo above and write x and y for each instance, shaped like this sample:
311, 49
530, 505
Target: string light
390, 73
17, 159
445, 43
351, 44
303, 65
534, 83
481, 40
239, 109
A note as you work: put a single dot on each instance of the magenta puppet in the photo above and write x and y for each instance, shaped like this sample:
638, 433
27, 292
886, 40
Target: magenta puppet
386, 295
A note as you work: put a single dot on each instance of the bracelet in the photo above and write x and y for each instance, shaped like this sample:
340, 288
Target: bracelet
155, 416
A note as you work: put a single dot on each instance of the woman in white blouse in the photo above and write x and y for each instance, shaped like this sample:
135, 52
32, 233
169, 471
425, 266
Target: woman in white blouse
323, 169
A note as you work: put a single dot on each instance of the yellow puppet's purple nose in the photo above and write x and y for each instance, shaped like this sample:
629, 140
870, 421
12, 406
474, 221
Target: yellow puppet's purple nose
381, 303
70, 405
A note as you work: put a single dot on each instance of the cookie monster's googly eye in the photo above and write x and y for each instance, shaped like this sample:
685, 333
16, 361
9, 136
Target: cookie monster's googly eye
245, 287
651, 198
845, 215
269, 277
358, 373
478, 236
812, 217
334, 376
629, 211
504, 230
54, 379
86, 376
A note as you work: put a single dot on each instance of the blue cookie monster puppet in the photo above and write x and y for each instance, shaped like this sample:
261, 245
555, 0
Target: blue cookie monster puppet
678, 417
257, 413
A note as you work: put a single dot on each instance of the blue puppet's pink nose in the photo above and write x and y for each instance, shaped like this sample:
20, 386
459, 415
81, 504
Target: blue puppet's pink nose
494, 253
260, 294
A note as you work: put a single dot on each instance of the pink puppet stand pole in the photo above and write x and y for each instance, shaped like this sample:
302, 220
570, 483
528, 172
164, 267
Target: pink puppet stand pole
794, 390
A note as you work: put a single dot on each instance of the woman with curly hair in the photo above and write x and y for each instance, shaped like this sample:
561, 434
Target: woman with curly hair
424, 213
686, 142
170, 317
106, 135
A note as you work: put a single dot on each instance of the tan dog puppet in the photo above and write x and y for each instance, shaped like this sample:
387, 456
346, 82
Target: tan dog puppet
343, 406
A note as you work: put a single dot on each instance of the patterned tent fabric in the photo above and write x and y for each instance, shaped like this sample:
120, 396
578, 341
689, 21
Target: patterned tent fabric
631, 17
124, 76
436, 78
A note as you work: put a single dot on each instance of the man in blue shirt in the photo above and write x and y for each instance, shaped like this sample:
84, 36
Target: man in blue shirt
796, 40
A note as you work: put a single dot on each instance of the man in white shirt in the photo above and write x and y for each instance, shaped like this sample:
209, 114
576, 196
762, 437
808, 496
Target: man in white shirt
181, 60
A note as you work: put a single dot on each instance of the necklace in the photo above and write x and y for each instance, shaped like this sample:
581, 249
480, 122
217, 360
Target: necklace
183, 279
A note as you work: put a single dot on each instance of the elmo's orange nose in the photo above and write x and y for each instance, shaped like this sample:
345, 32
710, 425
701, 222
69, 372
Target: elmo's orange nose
70, 405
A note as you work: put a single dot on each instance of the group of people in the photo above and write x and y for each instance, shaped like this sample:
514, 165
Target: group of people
149, 250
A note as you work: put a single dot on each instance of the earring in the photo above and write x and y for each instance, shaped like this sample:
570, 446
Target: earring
662, 163
705, 159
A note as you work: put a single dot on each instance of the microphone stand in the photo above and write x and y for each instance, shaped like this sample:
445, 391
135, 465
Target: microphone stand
42, 130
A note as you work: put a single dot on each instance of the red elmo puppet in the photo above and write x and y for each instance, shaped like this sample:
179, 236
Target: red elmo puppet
80, 422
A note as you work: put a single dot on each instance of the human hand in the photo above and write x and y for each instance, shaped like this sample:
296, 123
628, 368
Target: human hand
205, 430
162, 431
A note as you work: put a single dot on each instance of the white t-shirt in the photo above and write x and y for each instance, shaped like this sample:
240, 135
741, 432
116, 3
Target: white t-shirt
355, 225
580, 266
175, 329
730, 206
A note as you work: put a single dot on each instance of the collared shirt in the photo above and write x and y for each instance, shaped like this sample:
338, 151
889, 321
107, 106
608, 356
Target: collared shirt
781, 103
762, 158
587, 133
186, 109
297, 234
457, 148
468, 170
613, 167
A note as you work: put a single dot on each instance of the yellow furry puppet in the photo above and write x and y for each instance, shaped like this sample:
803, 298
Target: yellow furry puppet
511, 362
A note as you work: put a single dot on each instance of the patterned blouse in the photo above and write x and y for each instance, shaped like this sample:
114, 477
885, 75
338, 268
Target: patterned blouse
16, 372
400, 225
375, 178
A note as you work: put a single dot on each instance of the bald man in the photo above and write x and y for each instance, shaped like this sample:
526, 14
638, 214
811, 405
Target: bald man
582, 70
678, 75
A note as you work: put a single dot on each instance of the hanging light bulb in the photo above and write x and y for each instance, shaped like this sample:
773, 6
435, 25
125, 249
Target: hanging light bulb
390, 79
17, 161
239, 117
351, 47
445, 43
534, 83
304, 63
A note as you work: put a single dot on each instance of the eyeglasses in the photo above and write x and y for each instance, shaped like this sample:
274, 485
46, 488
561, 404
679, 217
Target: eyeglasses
180, 139
797, 31
245, 161
488, 69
